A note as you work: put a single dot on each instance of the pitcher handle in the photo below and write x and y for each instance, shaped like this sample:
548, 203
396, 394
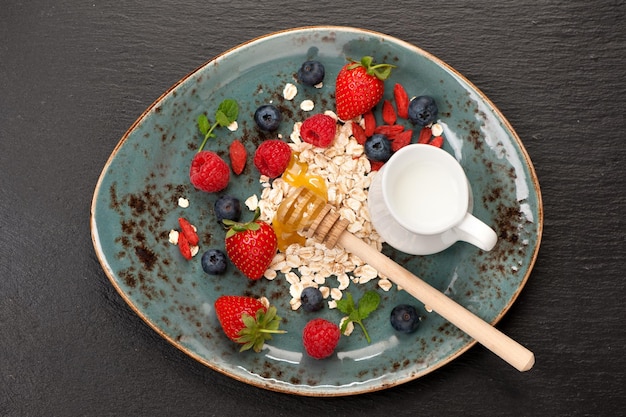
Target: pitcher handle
476, 232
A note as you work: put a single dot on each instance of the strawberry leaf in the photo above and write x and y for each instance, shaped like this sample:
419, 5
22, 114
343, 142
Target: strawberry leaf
366, 61
258, 329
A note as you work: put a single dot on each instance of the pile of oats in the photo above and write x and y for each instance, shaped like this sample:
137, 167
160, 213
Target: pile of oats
348, 175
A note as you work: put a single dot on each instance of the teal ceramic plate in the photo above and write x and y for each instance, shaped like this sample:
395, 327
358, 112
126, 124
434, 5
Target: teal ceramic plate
135, 205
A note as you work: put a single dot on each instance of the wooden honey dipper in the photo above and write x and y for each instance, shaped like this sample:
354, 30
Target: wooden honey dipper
306, 212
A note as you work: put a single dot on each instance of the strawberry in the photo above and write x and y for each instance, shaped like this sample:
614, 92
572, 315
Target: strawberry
359, 87
402, 100
238, 156
251, 246
272, 157
245, 320
319, 130
389, 114
188, 231
320, 338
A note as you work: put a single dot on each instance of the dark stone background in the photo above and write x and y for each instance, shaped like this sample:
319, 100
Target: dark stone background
74, 75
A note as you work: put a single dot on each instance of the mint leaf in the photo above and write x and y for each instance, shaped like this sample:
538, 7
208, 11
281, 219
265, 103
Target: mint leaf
346, 304
226, 113
368, 303
203, 124
222, 119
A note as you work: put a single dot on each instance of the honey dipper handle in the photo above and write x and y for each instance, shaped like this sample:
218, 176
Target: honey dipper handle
506, 348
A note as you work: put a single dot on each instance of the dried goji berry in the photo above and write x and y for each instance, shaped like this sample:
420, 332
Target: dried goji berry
425, 135
389, 114
238, 156
389, 130
376, 165
183, 246
437, 141
358, 133
188, 231
401, 140
402, 100
370, 123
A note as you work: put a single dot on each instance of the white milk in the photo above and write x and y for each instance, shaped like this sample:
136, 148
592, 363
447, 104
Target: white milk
425, 197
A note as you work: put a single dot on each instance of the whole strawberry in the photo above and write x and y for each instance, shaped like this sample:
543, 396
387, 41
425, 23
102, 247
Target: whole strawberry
251, 246
359, 87
209, 172
245, 320
320, 338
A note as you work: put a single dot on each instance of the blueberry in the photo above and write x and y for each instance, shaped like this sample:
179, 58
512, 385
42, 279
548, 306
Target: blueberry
404, 318
311, 73
312, 299
268, 117
423, 110
214, 262
378, 148
227, 207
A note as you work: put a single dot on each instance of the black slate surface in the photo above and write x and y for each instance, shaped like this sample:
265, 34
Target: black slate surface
74, 75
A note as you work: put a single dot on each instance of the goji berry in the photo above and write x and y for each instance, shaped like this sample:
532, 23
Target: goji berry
437, 141
238, 156
183, 246
376, 165
389, 114
401, 140
370, 123
389, 130
402, 100
425, 135
358, 133
188, 231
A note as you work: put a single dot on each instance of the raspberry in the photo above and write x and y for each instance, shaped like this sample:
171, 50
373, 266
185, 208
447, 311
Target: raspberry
320, 337
272, 157
238, 155
209, 172
319, 130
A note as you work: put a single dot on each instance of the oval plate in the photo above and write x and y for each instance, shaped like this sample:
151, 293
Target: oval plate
135, 206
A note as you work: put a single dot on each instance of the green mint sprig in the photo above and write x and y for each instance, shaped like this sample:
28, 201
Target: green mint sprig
359, 312
226, 113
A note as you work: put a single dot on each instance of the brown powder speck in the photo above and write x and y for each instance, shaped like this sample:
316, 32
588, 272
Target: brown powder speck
146, 256
137, 204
